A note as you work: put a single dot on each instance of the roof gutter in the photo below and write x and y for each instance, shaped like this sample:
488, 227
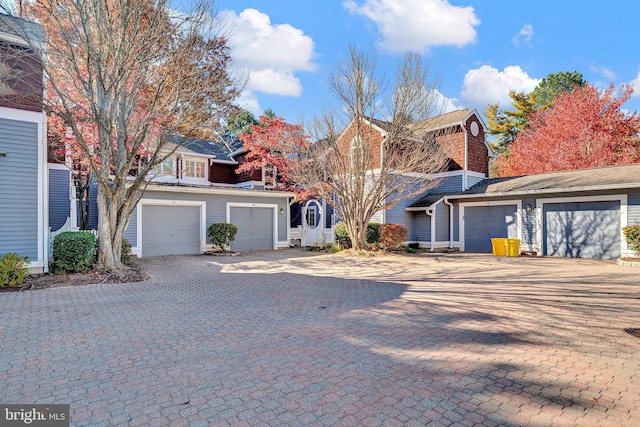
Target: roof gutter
421, 208
224, 162
546, 191
218, 190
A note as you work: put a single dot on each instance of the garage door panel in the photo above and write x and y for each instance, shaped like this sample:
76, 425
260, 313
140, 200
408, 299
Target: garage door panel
582, 229
482, 223
170, 230
255, 228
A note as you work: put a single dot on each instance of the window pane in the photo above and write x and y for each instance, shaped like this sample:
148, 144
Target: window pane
189, 168
199, 169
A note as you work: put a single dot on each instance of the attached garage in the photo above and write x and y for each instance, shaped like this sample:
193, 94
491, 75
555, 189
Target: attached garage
171, 229
255, 227
482, 223
589, 229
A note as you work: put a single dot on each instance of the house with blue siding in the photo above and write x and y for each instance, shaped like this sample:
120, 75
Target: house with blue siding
197, 185
577, 214
24, 218
461, 135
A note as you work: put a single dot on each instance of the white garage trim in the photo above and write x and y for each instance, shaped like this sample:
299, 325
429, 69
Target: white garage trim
518, 204
622, 198
137, 250
276, 243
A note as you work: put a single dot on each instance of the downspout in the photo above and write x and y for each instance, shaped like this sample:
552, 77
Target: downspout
429, 211
448, 203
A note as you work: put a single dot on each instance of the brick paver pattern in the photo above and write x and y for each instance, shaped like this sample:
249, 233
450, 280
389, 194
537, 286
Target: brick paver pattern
297, 338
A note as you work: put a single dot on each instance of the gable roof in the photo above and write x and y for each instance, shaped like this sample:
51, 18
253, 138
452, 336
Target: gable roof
442, 121
214, 149
606, 178
433, 123
24, 30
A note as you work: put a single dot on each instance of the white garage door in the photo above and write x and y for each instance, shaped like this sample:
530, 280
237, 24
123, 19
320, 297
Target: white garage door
170, 230
255, 228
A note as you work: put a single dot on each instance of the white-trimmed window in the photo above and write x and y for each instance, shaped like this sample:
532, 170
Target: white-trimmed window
166, 168
194, 169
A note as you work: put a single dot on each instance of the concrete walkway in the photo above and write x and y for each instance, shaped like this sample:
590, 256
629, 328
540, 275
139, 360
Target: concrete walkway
295, 338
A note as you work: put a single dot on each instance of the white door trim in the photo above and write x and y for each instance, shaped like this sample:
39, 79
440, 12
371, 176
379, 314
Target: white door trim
258, 205
137, 250
622, 198
461, 222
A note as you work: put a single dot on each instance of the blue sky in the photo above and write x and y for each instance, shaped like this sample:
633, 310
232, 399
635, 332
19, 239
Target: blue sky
479, 49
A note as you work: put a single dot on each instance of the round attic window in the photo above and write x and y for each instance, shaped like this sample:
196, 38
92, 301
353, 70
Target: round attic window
474, 128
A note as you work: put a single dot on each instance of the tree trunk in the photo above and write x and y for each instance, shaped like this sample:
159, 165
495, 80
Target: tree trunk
109, 236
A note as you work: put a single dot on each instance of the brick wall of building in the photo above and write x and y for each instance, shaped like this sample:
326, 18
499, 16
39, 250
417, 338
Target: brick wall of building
22, 87
478, 154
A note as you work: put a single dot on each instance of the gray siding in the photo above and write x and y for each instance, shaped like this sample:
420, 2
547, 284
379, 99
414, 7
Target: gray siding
456, 222
529, 222
421, 229
472, 180
130, 233
450, 184
19, 188
442, 222
59, 197
217, 207
633, 208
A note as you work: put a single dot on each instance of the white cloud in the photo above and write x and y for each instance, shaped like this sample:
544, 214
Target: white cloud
275, 82
524, 36
488, 85
445, 103
635, 84
271, 53
605, 72
418, 24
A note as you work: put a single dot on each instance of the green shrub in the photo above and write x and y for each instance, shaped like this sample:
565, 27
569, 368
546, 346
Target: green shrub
632, 234
342, 237
12, 269
222, 234
125, 255
372, 235
73, 252
392, 235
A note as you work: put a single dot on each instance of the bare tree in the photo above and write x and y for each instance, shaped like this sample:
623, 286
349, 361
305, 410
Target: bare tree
364, 164
123, 75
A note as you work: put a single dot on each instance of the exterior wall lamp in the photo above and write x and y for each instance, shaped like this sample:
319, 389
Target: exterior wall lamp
281, 211
529, 208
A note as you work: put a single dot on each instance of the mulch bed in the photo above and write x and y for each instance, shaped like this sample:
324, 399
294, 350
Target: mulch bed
44, 281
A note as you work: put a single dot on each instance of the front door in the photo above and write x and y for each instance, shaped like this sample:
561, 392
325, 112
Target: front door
312, 224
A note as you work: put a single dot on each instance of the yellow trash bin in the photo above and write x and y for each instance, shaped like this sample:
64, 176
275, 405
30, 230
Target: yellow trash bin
513, 247
499, 246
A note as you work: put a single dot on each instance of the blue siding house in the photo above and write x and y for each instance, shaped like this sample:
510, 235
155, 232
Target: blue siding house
23, 149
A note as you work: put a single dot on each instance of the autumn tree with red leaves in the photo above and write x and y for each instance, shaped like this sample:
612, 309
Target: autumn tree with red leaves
124, 75
275, 145
585, 128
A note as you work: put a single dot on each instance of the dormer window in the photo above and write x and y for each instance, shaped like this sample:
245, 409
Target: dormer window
166, 168
194, 169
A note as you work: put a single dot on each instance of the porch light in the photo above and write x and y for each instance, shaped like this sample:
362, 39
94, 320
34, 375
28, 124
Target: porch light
281, 211
529, 208
3, 154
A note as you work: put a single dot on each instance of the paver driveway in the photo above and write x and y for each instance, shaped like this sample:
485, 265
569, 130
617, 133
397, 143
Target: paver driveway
294, 338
